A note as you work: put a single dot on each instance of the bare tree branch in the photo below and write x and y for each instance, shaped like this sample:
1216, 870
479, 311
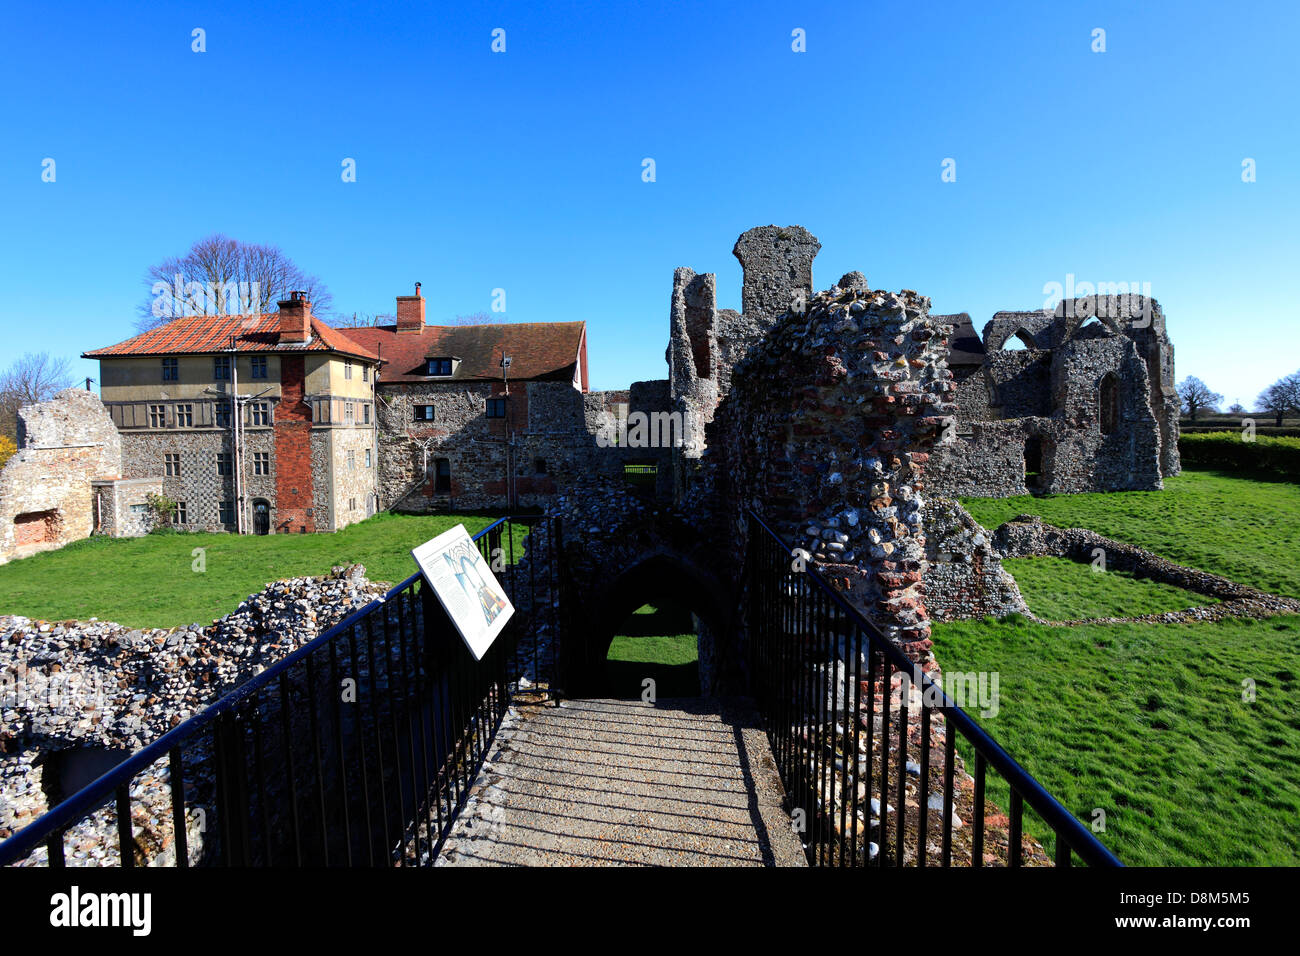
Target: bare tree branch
223, 276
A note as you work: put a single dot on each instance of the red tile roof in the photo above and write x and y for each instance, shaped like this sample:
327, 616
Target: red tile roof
537, 350
211, 333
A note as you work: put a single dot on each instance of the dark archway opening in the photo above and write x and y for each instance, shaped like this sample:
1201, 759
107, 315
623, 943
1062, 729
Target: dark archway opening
1034, 463
656, 643
1108, 403
686, 598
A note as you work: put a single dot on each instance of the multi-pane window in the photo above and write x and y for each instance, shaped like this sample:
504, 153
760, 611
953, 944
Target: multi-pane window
439, 366
261, 462
260, 413
157, 416
365, 414
223, 463
223, 414
221, 367
182, 513
349, 413
365, 373
170, 371
172, 465
226, 512
441, 474
424, 413
496, 408
258, 363
184, 416
347, 368
352, 504
352, 459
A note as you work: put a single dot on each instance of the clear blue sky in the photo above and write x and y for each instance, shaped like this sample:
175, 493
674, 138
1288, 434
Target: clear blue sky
522, 170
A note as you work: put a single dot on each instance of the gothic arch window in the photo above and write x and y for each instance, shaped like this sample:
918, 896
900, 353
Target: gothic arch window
1108, 403
1019, 340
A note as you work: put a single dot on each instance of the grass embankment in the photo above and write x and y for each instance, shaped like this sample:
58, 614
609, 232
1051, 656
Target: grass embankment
1246, 530
1147, 722
153, 582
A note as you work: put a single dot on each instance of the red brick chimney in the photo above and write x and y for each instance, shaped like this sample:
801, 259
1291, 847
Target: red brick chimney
295, 318
410, 312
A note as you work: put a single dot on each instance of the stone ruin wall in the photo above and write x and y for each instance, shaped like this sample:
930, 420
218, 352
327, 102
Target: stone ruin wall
826, 433
1049, 395
46, 499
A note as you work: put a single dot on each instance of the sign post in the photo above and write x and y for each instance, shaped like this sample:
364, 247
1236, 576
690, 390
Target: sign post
466, 588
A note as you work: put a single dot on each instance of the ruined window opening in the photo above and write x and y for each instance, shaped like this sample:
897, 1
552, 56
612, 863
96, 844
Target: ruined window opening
441, 475
539, 466
1033, 463
1108, 403
1019, 341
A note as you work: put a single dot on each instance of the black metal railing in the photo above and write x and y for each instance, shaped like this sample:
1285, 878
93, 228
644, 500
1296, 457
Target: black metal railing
861, 788
357, 749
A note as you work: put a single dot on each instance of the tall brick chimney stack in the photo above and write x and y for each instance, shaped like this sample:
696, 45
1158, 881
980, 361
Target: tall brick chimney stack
295, 318
410, 312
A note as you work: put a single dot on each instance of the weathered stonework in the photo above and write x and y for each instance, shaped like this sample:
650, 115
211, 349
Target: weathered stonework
1088, 405
46, 499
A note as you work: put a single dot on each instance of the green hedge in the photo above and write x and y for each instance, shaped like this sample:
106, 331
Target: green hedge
1226, 451
1286, 431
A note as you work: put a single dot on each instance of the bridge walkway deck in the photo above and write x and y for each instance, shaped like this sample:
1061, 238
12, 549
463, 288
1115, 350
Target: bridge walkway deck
688, 782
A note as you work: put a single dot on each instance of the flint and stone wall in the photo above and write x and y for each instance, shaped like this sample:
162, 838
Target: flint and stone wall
46, 499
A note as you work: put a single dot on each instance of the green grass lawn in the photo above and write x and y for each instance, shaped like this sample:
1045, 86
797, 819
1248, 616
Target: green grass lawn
1147, 722
1059, 589
1246, 530
151, 581
658, 643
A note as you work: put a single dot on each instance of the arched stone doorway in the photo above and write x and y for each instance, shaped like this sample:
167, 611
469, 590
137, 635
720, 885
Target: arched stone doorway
660, 579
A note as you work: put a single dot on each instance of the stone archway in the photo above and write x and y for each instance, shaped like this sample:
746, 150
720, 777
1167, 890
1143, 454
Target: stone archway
657, 574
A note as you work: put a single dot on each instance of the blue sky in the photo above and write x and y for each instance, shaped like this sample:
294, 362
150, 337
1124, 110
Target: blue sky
522, 170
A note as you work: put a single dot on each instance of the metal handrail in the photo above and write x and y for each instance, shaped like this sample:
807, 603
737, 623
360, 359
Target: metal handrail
1021, 781
90, 796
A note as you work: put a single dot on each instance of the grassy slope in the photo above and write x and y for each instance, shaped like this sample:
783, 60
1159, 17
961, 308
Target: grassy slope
1059, 589
150, 582
1248, 531
1147, 722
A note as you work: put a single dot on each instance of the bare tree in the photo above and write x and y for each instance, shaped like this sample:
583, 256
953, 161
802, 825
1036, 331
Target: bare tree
223, 276
36, 377
1196, 395
480, 318
1282, 397
362, 320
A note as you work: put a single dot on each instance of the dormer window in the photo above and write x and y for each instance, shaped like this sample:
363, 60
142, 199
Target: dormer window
438, 366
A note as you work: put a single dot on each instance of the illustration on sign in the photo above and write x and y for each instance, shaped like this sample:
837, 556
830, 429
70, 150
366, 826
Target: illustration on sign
466, 588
